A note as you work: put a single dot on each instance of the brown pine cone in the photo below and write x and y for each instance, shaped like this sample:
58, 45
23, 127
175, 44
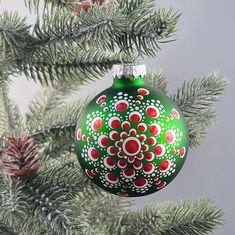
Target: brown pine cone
82, 6
77, 8
86, 5
99, 2
19, 156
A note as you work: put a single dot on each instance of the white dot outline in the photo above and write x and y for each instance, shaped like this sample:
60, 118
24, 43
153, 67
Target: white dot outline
124, 148
107, 165
143, 186
100, 141
102, 96
127, 176
173, 134
122, 101
93, 121
149, 172
113, 119
155, 108
111, 181
163, 150
89, 154
169, 166
158, 127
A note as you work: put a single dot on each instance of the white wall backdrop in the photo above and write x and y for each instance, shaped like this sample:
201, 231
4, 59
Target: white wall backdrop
206, 34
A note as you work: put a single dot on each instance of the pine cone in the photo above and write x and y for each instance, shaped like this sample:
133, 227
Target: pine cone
20, 160
99, 2
85, 5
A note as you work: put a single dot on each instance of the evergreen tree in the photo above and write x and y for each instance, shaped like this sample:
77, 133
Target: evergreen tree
43, 189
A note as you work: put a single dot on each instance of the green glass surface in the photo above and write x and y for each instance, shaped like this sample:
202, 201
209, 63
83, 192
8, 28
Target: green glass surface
138, 160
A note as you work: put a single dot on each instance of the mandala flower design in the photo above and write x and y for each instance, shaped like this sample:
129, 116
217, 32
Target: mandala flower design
129, 144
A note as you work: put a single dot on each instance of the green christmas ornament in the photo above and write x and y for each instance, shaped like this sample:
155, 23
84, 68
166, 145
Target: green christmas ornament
131, 139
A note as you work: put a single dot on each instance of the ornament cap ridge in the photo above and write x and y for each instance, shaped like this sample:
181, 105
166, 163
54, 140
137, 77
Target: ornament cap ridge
129, 70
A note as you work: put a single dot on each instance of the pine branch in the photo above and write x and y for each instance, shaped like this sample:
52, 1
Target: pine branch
70, 62
10, 117
97, 229
96, 213
193, 217
195, 99
96, 27
138, 222
58, 144
55, 134
14, 33
130, 25
65, 174
6, 230
65, 61
58, 212
130, 7
54, 4
45, 101
48, 205
7, 66
52, 192
198, 125
42, 203
51, 97
103, 209
14, 204
156, 79
32, 225
147, 27
48, 202
59, 48
199, 93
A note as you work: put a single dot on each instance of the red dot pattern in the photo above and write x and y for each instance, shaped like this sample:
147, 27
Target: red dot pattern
135, 143
93, 153
152, 112
97, 124
129, 173
154, 129
121, 106
135, 117
122, 163
111, 177
140, 183
164, 165
101, 99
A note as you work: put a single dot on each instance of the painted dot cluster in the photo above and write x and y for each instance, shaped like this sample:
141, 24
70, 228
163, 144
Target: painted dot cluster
131, 142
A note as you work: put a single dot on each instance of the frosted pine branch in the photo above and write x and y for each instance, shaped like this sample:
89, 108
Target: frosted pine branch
156, 79
10, 117
193, 217
45, 101
13, 203
195, 99
199, 93
55, 132
96, 27
6, 230
70, 63
14, 34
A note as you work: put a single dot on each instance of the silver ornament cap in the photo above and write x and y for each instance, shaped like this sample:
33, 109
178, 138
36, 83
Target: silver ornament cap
129, 70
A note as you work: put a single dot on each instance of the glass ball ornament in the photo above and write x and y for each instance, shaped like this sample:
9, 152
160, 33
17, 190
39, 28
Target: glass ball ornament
131, 139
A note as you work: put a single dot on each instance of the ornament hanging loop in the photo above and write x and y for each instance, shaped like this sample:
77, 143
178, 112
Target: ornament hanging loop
130, 71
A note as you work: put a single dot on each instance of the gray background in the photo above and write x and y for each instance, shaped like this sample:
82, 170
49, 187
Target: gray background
205, 43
